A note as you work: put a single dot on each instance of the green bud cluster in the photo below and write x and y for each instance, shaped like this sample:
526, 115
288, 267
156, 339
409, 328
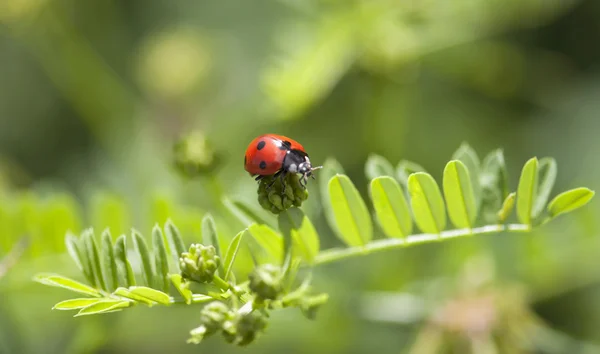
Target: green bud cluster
266, 281
194, 155
242, 329
236, 327
200, 263
277, 199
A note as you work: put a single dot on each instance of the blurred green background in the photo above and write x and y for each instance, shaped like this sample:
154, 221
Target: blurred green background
93, 95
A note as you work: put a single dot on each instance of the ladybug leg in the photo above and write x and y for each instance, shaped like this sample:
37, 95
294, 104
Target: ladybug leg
282, 177
274, 179
303, 181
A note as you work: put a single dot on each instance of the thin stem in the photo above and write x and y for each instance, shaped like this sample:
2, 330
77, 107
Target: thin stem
222, 284
336, 254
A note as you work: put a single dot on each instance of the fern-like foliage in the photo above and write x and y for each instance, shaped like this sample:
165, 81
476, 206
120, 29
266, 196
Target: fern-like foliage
474, 197
112, 284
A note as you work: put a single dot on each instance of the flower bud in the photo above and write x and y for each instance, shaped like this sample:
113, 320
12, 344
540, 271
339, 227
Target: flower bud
266, 282
194, 155
213, 315
200, 263
243, 329
275, 199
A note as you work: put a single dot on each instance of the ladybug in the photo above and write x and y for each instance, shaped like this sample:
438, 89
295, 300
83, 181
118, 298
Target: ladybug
278, 155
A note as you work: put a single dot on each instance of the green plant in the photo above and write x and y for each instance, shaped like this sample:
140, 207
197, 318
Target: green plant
475, 197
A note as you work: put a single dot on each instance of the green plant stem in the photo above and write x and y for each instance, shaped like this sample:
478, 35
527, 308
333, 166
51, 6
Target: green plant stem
336, 254
223, 285
196, 299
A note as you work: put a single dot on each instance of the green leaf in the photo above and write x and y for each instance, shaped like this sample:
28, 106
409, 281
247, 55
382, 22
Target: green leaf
406, 168
122, 261
245, 213
161, 260
494, 185
79, 255
59, 281
295, 225
507, 207
76, 304
201, 298
547, 176
151, 294
569, 201
527, 190
182, 287
231, 253
427, 203
378, 166
93, 255
331, 167
175, 241
123, 292
391, 208
268, 240
458, 192
351, 214
142, 250
468, 156
110, 265
493, 173
104, 307
210, 237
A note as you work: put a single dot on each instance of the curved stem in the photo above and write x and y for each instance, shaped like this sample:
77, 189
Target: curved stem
336, 254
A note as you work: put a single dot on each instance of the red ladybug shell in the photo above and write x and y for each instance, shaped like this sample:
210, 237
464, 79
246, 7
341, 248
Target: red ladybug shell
265, 154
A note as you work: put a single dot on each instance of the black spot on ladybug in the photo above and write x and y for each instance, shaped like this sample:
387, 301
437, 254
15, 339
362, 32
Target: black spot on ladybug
244, 160
261, 144
262, 165
285, 145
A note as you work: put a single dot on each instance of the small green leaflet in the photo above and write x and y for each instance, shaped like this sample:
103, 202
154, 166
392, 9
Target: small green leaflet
182, 287
122, 261
76, 304
176, 244
351, 214
507, 207
547, 176
161, 260
142, 250
151, 294
527, 191
210, 237
79, 255
391, 208
427, 203
493, 174
89, 242
269, 240
123, 292
405, 168
104, 307
569, 201
298, 228
468, 156
460, 199
377, 166
66, 283
331, 167
111, 272
231, 253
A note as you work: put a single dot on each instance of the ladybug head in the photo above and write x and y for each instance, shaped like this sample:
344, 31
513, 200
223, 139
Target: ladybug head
306, 169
